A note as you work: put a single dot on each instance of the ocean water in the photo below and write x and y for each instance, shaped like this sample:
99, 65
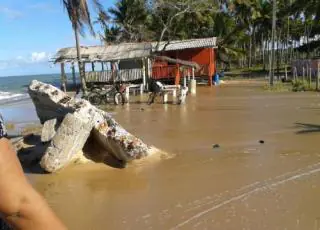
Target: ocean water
15, 88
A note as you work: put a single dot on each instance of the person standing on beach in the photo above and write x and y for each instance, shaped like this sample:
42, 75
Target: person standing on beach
20, 205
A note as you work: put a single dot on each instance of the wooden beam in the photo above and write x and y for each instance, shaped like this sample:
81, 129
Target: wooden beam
177, 61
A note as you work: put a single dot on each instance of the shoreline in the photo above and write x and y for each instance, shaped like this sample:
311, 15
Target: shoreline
19, 116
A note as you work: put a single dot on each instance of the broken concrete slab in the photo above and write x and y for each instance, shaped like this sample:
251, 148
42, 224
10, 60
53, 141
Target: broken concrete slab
52, 103
68, 141
49, 130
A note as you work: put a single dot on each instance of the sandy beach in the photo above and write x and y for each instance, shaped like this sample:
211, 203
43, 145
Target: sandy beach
242, 184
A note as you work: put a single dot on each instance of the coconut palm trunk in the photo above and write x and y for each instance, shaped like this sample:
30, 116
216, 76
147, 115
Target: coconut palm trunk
80, 63
79, 15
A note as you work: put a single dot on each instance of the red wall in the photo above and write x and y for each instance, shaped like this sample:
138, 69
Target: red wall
205, 57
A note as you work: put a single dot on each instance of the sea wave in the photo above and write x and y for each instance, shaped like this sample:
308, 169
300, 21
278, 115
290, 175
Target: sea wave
8, 97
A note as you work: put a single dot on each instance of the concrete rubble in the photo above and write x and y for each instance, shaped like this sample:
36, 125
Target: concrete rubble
69, 124
49, 130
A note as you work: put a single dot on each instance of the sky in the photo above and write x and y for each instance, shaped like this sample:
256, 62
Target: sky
32, 31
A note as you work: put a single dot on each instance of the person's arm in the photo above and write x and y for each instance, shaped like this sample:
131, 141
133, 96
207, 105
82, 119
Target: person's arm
20, 205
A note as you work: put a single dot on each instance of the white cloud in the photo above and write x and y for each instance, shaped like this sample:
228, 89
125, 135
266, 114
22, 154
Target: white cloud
34, 59
10, 13
39, 57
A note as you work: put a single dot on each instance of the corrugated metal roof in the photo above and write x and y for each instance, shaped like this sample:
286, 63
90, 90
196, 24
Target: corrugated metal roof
186, 44
123, 51
126, 51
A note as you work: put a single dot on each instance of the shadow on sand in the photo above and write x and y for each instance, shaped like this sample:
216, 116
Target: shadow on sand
307, 128
97, 153
30, 151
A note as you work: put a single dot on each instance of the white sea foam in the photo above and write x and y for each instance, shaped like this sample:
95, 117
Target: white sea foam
6, 97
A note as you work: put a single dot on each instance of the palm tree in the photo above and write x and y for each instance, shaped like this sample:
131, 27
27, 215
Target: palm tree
130, 16
79, 15
112, 34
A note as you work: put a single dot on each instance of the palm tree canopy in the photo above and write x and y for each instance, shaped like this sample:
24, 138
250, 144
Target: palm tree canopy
79, 14
130, 17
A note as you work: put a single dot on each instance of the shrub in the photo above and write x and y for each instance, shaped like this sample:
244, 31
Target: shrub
300, 85
277, 87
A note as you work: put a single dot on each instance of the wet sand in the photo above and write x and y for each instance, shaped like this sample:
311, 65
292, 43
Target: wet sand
241, 185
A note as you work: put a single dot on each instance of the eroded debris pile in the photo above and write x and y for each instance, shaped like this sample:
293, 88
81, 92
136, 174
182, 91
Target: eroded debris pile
69, 124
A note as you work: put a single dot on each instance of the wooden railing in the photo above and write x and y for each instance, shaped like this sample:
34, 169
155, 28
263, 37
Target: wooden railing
107, 76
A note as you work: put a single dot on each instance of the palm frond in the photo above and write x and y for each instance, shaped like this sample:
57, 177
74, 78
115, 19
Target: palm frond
79, 14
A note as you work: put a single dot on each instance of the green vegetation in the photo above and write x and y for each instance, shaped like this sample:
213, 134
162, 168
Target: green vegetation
295, 86
302, 85
278, 87
243, 27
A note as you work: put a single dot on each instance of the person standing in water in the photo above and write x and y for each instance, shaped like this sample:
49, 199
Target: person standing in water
21, 207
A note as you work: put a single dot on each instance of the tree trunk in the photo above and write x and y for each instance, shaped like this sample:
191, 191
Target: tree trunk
254, 47
263, 52
250, 52
80, 63
279, 53
274, 19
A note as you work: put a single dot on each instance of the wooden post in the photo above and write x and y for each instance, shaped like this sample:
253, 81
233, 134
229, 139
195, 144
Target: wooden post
165, 97
85, 75
144, 79
73, 74
102, 66
174, 93
149, 71
92, 65
141, 89
303, 72
128, 93
193, 73
310, 77
177, 80
63, 78
318, 76
286, 72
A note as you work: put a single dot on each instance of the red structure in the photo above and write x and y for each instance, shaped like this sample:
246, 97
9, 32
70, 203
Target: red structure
200, 51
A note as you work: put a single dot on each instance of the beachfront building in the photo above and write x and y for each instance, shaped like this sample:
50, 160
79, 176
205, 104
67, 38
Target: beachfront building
137, 62
199, 51
104, 64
